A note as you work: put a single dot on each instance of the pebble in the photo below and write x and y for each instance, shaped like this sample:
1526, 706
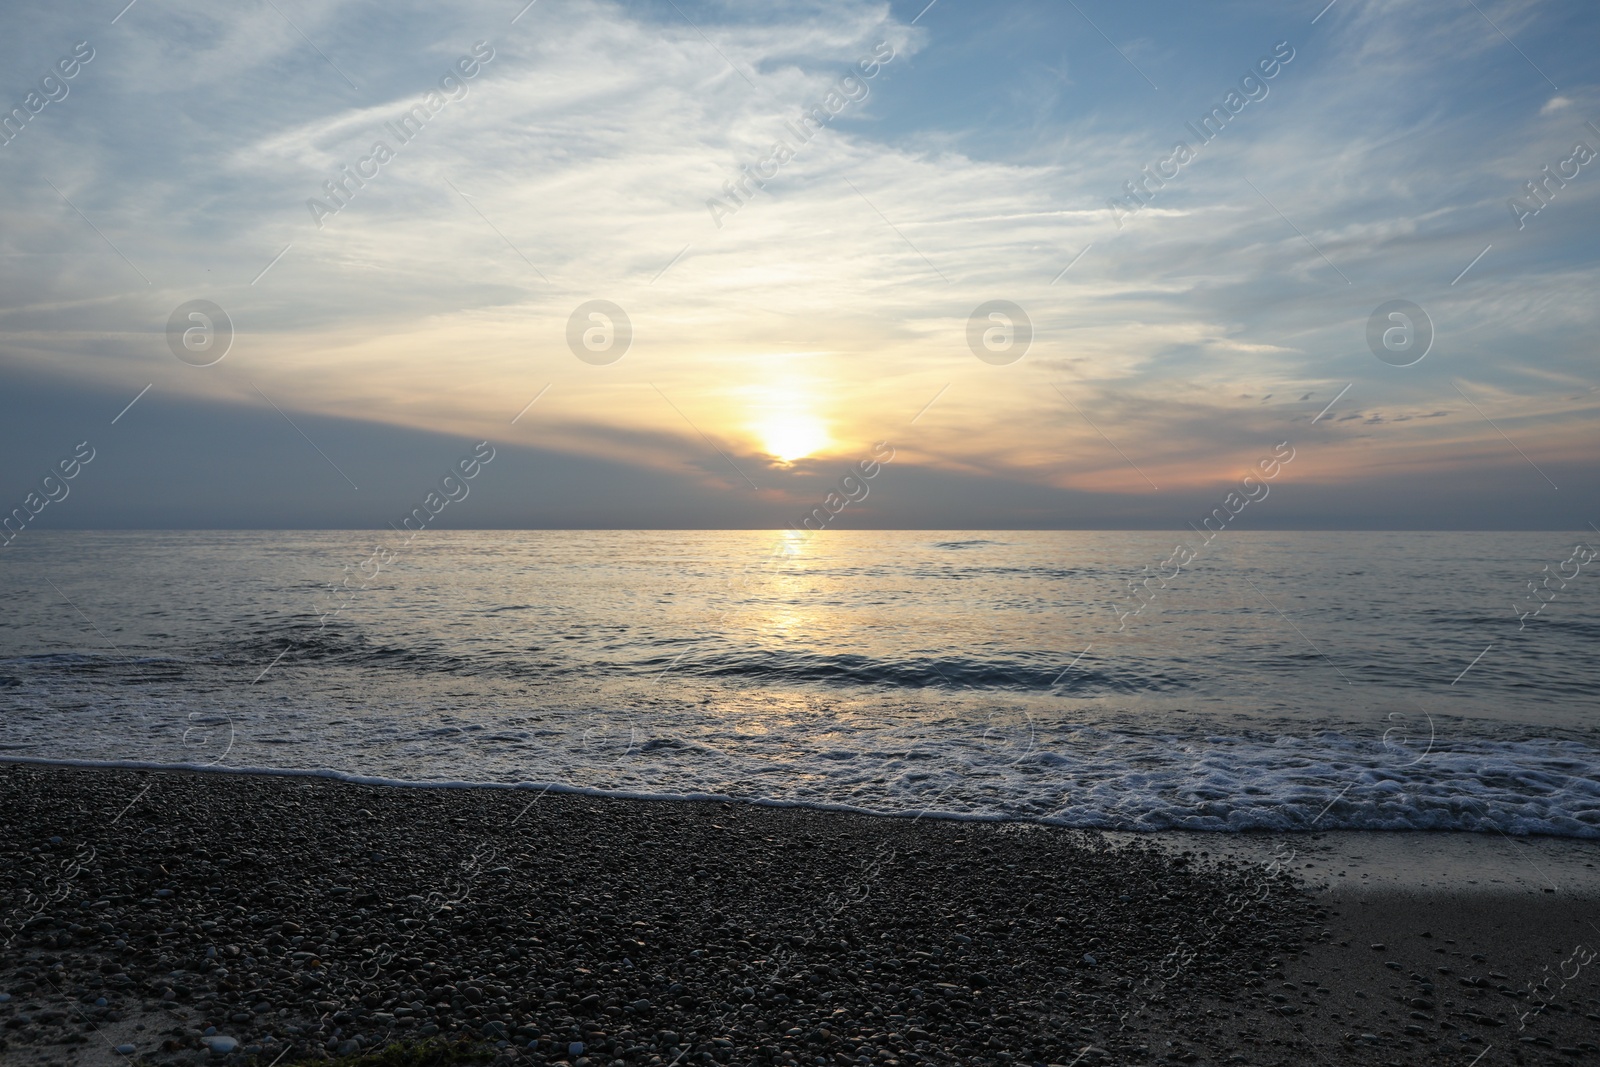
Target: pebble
780, 936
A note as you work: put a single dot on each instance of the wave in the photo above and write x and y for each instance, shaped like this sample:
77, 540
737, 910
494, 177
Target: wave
302, 644
1096, 780
775, 665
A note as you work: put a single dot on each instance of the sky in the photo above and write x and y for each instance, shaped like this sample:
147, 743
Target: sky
948, 259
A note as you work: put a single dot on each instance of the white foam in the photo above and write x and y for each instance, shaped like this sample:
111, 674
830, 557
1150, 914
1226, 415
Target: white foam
1065, 776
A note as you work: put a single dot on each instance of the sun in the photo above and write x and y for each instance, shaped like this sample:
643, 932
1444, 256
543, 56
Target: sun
792, 435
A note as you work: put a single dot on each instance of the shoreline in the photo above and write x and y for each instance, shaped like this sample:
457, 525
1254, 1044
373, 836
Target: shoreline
298, 914
1429, 856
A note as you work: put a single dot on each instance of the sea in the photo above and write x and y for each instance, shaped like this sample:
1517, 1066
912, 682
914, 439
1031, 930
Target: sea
1300, 681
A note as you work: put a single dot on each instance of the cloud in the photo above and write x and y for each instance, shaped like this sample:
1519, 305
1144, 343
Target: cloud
579, 162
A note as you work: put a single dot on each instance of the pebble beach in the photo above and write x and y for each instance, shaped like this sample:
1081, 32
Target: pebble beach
165, 917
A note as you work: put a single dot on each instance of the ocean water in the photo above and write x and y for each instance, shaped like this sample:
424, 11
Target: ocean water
1285, 681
